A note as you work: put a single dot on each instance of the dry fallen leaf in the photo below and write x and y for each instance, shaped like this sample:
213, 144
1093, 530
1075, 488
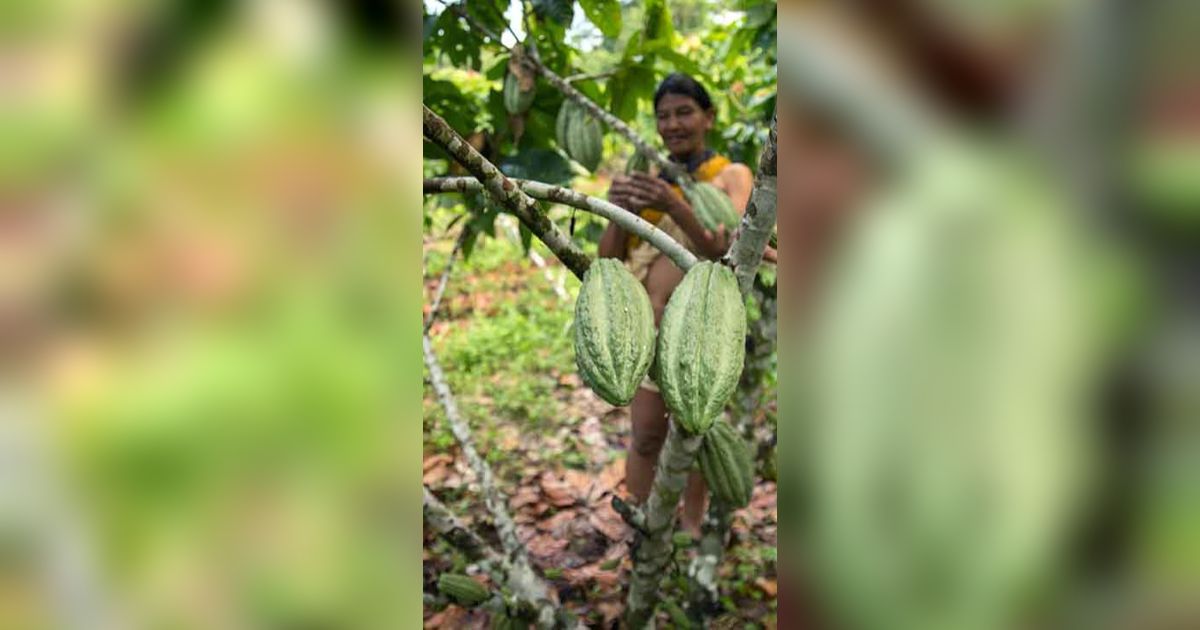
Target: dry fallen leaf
557, 522
546, 545
441, 459
435, 475
610, 477
524, 496
607, 521
611, 611
558, 492
768, 586
452, 617
580, 482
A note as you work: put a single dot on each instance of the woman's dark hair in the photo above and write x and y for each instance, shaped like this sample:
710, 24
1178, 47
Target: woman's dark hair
683, 85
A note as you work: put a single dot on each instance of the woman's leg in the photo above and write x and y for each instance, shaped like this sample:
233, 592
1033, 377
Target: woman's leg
649, 416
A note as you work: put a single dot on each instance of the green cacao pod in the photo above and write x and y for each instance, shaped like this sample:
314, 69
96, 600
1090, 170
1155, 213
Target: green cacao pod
948, 406
614, 331
701, 345
711, 205
462, 589
516, 100
505, 622
727, 465
637, 164
580, 134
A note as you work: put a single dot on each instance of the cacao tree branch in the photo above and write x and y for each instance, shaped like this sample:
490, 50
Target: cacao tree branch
520, 575
588, 77
441, 288
632, 515
525, 586
505, 192
673, 169
702, 571
563, 85
675, 463
746, 252
627, 220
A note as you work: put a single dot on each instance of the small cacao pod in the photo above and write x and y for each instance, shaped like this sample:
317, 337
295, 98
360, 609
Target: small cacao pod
463, 589
711, 205
505, 622
516, 100
637, 164
727, 465
580, 135
701, 345
614, 331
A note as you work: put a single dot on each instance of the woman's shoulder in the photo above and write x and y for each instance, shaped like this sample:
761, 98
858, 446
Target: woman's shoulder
736, 172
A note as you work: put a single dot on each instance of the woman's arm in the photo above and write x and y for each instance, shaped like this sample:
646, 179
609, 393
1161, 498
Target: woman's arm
612, 242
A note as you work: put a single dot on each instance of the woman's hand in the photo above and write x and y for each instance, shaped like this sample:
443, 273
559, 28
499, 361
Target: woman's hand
647, 191
621, 192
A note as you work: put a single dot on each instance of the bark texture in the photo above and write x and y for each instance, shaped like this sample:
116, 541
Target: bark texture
505, 192
653, 552
516, 569
627, 220
746, 252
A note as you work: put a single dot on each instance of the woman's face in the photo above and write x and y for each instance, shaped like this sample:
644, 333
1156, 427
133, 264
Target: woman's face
682, 124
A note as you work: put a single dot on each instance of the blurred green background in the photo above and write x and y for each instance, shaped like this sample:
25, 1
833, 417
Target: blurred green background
212, 294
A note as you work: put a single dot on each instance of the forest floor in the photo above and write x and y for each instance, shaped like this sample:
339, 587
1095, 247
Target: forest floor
503, 338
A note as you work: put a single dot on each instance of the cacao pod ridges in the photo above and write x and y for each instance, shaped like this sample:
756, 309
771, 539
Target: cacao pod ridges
463, 589
701, 345
517, 100
711, 206
614, 331
580, 135
727, 465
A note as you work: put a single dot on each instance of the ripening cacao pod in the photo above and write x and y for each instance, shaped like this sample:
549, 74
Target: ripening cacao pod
701, 345
580, 135
614, 331
516, 100
711, 206
637, 164
463, 589
727, 465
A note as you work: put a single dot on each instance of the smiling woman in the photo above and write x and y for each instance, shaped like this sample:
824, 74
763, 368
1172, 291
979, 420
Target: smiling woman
685, 115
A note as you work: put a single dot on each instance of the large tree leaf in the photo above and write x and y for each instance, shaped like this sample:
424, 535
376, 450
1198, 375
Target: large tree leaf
626, 88
460, 111
605, 14
453, 38
657, 24
560, 11
543, 165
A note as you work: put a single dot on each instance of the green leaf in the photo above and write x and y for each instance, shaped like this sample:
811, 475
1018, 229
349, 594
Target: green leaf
560, 11
543, 165
526, 239
627, 87
605, 14
657, 24
468, 245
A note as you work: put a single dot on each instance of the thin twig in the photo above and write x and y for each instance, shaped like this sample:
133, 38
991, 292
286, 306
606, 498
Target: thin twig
505, 192
616, 124
589, 76
520, 574
525, 586
622, 217
441, 288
